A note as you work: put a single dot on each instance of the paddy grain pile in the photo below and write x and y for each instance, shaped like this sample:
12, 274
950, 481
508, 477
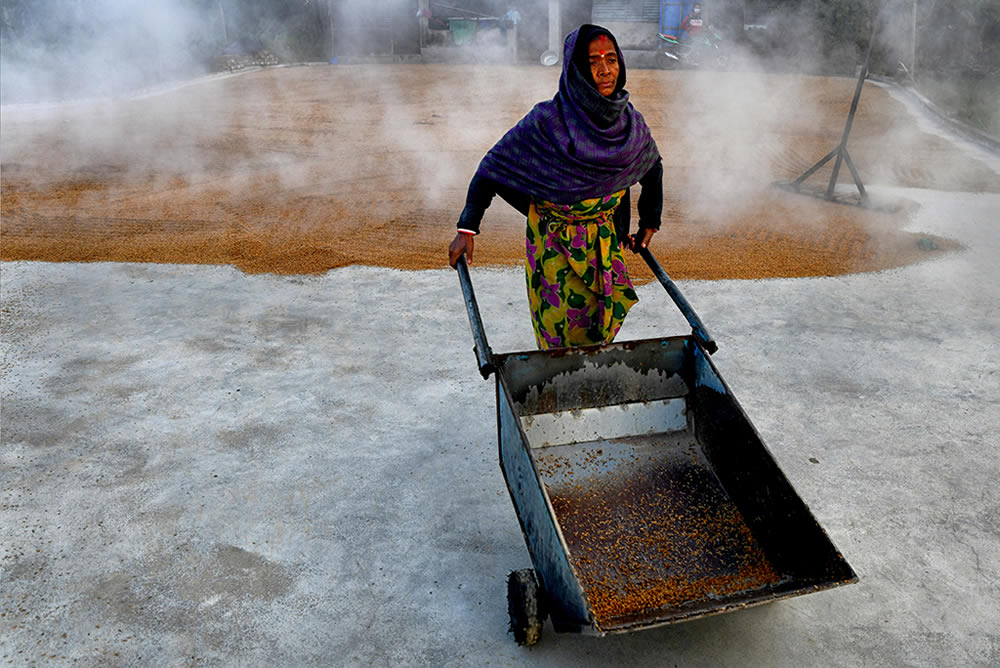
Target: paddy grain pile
651, 531
301, 170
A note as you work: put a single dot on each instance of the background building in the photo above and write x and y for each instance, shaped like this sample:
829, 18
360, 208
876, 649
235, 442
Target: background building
484, 31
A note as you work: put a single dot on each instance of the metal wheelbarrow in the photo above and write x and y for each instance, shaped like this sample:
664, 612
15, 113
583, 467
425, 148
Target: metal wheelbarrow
645, 495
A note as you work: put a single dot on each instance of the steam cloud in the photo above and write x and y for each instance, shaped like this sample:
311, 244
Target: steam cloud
730, 133
100, 48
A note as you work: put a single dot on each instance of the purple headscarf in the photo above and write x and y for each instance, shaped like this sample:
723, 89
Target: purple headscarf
577, 145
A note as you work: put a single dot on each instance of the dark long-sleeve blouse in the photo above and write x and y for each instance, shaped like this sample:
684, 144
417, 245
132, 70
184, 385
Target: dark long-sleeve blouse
650, 205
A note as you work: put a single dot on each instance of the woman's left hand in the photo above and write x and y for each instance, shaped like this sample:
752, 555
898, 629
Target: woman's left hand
641, 239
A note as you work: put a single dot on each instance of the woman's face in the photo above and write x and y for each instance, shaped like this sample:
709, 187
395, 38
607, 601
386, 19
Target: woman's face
604, 64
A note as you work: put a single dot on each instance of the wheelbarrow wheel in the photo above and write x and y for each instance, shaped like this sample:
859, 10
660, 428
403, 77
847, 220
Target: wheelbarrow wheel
526, 606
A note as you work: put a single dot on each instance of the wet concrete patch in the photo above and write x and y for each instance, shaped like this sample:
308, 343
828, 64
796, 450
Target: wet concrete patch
180, 584
249, 437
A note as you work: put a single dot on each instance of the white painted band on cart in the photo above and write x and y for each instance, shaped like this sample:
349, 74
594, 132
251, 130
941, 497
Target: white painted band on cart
605, 422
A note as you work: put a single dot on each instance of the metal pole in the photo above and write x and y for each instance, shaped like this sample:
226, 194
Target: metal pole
423, 7
331, 46
854, 108
812, 170
856, 176
484, 356
555, 29
225, 31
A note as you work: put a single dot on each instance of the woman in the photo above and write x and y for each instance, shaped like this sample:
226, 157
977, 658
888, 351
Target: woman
568, 166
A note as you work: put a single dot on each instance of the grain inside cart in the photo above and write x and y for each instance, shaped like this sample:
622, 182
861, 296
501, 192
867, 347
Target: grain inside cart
645, 495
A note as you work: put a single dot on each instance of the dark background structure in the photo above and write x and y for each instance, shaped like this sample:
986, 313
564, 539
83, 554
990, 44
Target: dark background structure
948, 49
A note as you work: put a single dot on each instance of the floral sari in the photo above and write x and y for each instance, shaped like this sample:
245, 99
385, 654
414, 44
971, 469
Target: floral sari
578, 287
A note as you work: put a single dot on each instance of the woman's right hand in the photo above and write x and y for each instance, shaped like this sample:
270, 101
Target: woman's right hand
462, 243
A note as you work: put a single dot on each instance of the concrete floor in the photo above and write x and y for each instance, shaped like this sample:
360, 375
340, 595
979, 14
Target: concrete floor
204, 467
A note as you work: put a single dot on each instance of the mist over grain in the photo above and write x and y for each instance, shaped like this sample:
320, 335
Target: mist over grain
389, 149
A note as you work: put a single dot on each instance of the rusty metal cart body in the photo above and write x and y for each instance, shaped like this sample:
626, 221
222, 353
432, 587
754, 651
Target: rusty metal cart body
645, 495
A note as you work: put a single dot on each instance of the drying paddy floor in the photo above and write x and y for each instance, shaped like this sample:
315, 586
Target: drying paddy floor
300, 170
296, 464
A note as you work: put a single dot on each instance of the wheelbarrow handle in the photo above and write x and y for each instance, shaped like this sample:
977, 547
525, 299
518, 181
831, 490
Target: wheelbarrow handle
697, 327
484, 356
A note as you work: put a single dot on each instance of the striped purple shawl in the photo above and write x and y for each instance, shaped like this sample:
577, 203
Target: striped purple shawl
558, 153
